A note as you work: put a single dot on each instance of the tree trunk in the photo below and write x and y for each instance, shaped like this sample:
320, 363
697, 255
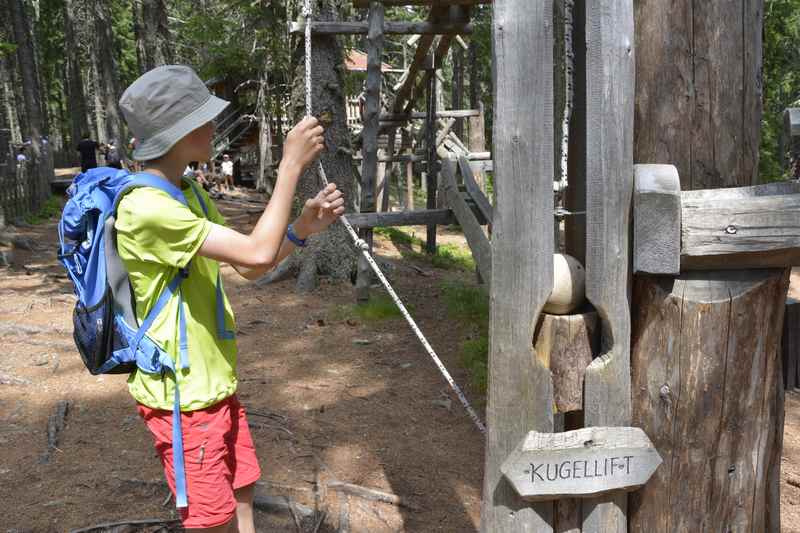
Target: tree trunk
76, 99
34, 126
108, 75
330, 253
707, 389
706, 374
698, 89
263, 181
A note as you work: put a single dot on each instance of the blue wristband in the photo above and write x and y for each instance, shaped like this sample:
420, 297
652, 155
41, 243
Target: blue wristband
294, 238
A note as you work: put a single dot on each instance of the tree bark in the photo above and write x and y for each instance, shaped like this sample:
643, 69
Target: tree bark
34, 126
698, 84
108, 74
76, 99
707, 389
330, 253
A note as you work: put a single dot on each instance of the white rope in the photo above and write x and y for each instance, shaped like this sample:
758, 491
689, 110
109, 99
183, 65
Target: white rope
364, 247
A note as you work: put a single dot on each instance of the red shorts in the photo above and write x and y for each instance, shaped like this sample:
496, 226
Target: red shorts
219, 458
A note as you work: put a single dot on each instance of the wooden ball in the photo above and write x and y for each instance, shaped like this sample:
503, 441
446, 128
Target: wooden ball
569, 285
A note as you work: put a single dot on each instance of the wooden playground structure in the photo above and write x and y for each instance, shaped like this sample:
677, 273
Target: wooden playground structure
672, 369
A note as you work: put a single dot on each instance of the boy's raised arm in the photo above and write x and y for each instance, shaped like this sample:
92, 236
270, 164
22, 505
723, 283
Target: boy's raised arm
266, 245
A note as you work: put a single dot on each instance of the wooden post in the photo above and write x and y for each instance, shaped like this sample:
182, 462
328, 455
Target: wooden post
707, 390
369, 148
609, 187
520, 394
790, 344
431, 170
458, 88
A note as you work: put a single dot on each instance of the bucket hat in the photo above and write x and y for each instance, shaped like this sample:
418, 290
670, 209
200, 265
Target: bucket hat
164, 105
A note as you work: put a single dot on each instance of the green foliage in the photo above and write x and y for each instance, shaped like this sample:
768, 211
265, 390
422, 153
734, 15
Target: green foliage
781, 79
471, 305
447, 256
51, 209
379, 307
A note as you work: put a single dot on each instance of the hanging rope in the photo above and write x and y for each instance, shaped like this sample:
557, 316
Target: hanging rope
364, 247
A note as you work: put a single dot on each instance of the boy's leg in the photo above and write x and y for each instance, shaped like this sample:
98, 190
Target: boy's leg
244, 509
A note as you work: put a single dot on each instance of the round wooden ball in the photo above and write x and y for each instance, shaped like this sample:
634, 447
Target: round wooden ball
569, 285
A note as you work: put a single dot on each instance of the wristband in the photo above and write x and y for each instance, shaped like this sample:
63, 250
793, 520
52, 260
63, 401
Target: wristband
294, 238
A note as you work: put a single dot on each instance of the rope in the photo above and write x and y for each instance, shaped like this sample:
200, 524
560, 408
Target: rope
364, 247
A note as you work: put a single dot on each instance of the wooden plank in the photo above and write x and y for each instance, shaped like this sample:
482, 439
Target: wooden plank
389, 28
520, 396
609, 171
484, 206
476, 238
421, 217
447, 113
752, 232
439, 55
372, 111
656, 220
581, 463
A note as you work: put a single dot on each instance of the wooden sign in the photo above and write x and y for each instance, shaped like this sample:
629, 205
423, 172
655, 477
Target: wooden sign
582, 463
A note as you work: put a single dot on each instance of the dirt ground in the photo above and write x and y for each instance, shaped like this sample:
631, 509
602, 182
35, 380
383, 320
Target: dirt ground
330, 398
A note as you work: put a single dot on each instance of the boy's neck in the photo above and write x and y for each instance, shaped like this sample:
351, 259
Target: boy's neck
171, 171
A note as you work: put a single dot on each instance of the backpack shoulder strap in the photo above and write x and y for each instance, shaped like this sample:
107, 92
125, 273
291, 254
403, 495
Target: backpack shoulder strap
149, 180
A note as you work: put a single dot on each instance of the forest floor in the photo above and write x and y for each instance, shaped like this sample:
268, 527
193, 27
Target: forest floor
332, 397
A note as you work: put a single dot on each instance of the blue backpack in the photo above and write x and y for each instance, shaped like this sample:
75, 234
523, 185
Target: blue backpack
107, 333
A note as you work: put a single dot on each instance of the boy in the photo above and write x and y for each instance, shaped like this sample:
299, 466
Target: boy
227, 172
170, 111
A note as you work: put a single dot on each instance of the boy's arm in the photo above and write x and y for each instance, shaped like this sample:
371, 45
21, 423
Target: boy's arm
263, 248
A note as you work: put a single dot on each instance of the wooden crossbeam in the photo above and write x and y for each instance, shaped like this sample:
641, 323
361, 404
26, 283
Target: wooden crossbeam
420, 217
418, 89
394, 28
475, 192
451, 113
476, 238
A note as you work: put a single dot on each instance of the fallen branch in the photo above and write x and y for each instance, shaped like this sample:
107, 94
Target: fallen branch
260, 425
55, 424
371, 494
113, 526
280, 504
794, 482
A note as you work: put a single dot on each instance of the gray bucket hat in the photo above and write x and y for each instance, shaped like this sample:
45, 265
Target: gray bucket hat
164, 105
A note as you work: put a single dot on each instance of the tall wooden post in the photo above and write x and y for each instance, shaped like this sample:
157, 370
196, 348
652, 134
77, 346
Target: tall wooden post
432, 166
369, 147
705, 361
520, 396
609, 186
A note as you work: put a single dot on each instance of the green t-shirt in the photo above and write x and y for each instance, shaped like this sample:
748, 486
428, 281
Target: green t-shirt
156, 236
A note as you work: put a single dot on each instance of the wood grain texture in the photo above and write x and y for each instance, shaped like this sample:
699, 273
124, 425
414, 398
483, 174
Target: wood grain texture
656, 220
698, 89
609, 187
520, 390
476, 238
389, 28
790, 344
402, 218
706, 382
565, 344
756, 231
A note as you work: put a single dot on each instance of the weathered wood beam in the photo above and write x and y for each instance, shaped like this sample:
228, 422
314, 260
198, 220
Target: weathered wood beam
372, 112
404, 218
438, 58
393, 28
656, 219
609, 187
433, 3
475, 192
741, 227
476, 238
520, 395
453, 113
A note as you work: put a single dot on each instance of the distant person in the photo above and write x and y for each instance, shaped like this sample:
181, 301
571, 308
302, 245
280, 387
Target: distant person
21, 157
227, 172
88, 149
113, 159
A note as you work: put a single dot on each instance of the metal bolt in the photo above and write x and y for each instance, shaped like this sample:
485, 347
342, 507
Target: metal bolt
731, 230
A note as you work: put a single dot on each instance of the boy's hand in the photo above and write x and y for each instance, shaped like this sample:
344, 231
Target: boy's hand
304, 143
320, 212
